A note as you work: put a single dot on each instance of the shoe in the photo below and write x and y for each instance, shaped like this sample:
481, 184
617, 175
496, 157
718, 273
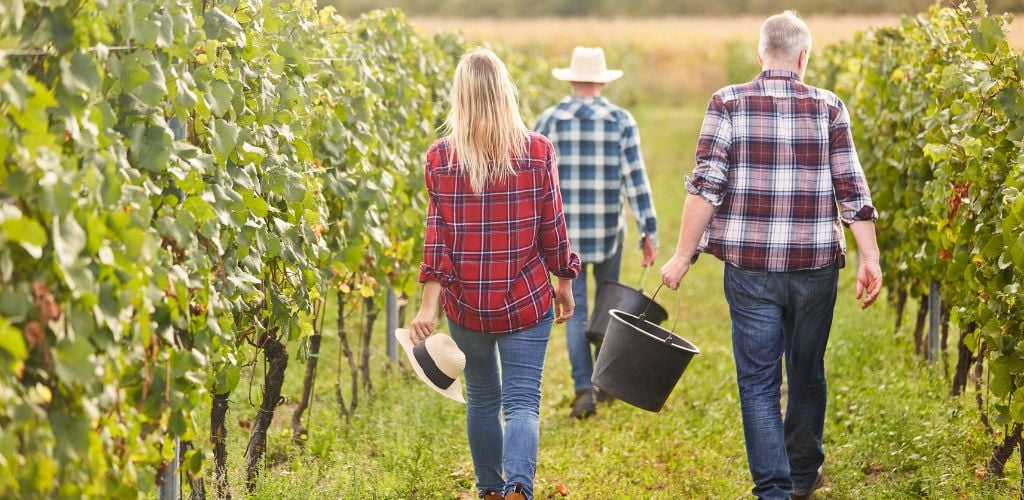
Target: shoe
493, 495
604, 397
818, 483
583, 406
516, 494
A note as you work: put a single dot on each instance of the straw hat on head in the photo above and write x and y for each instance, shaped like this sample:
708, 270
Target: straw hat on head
437, 361
587, 65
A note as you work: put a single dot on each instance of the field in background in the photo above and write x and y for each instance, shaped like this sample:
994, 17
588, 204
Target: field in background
667, 60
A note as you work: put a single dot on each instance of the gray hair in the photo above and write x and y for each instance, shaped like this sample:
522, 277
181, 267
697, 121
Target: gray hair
783, 37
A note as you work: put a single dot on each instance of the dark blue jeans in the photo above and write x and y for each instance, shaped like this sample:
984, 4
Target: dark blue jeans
778, 315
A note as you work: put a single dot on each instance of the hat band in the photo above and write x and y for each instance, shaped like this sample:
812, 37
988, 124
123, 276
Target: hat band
430, 369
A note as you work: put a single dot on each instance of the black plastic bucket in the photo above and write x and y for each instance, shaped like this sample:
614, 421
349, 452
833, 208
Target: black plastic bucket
640, 362
613, 295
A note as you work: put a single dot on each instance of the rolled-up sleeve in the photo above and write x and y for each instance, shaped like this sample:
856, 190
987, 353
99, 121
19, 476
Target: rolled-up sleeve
851, 187
437, 261
554, 239
710, 175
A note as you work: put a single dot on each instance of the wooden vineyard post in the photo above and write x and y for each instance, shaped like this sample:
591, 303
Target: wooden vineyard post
934, 321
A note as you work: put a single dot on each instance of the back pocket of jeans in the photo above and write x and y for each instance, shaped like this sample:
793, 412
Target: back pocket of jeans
746, 286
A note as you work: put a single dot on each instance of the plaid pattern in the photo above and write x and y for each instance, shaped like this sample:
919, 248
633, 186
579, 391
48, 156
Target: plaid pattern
776, 156
600, 163
492, 252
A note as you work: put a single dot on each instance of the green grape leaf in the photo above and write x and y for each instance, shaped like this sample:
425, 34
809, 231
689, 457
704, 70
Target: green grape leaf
79, 74
72, 361
11, 340
219, 98
68, 240
154, 148
224, 138
216, 23
987, 35
27, 233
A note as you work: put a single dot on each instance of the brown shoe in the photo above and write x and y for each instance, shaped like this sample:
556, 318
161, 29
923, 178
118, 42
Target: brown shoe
583, 406
516, 494
493, 495
818, 483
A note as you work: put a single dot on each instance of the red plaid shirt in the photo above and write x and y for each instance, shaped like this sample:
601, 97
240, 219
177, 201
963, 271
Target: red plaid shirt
776, 157
492, 252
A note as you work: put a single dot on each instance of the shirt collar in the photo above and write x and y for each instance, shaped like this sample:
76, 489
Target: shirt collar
593, 107
778, 74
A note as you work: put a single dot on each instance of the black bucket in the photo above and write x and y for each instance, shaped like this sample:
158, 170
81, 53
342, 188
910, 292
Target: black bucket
640, 362
614, 295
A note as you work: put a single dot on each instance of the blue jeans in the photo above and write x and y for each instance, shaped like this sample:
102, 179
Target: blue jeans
512, 387
580, 356
776, 315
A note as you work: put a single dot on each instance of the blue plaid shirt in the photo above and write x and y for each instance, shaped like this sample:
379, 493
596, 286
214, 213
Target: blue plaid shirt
599, 164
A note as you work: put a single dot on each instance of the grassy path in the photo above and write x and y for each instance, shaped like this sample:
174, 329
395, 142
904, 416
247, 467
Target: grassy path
892, 431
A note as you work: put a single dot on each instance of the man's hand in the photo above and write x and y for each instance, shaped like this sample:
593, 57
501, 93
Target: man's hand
649, 252
564, 303
869, 274
869, 282
673, 271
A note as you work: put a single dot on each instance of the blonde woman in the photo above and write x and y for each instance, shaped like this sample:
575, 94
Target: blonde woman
495, 230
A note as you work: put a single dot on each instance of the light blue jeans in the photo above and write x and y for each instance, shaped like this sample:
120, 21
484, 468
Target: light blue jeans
580, 356
503, 374
782, 320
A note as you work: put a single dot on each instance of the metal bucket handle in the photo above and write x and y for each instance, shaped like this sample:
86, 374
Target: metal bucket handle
679, 306
643, 315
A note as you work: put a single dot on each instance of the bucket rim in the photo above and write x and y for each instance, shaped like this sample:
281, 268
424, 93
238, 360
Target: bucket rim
688, 346
654, 303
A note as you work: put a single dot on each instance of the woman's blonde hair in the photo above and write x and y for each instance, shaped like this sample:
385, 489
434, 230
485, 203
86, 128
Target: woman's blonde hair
484, 126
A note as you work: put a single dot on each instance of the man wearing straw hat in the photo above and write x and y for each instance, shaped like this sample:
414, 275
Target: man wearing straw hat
777, 176
599, 164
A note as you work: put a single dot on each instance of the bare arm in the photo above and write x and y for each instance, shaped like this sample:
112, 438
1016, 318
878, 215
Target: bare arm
869, 273
707, 189
697, 213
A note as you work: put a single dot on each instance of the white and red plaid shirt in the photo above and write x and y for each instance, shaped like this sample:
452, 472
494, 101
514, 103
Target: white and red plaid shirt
492, 251
777, 159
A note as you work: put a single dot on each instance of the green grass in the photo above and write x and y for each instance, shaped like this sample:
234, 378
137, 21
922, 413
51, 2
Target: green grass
892, 431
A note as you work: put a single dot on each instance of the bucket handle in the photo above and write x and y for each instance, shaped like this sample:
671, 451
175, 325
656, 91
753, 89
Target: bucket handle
679, 304
643, 277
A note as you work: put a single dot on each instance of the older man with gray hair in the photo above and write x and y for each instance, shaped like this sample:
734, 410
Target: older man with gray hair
777, 177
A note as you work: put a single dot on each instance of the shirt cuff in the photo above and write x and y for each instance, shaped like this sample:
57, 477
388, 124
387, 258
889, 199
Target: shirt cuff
653, 237
701, 187
866, 212
571, 270
428, 273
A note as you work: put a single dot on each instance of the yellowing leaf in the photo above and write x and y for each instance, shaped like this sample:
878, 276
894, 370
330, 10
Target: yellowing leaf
366, 291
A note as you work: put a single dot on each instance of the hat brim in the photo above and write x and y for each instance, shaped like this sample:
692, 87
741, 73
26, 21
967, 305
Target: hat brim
568, 75
453, 392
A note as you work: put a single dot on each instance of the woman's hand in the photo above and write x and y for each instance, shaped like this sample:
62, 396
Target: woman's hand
673, 271
423, 324
564, 303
